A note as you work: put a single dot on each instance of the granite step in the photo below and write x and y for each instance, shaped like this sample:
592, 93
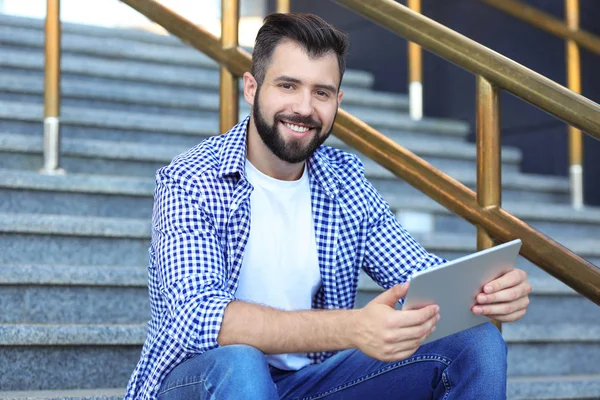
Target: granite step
75, 394
70, 241
91, 31
60, 239
518, 388
584, 387
52, 357
175, 100
113, 196
425, 215
106, 157
32, 352
132, 197
123, 69
80, 122
37, 294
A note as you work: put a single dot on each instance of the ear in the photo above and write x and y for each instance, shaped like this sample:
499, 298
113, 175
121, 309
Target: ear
250, 86
340, 95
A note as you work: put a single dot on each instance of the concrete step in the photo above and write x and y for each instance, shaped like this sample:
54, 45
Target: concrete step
112, 196
419, 215
37, 294
75, 394
584, 387
92, 31
123, 69
78, 122
31, 353
130, 50
516, 187
559, 349
171, 100
70, 241
106, 157
49, 357
518, 388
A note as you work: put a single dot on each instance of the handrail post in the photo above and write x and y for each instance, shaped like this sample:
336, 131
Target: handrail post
52, 91
229, 96
415, 71
283, 6
489, 172
574, 83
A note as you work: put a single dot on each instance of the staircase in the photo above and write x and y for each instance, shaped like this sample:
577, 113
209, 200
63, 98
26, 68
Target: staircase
73, 294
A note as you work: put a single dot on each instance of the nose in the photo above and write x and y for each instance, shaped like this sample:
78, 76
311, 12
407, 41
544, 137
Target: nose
303, 104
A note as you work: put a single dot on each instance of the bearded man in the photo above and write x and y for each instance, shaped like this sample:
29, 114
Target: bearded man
259, 236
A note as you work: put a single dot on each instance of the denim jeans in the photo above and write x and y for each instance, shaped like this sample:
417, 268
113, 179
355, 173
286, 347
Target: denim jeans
468, 365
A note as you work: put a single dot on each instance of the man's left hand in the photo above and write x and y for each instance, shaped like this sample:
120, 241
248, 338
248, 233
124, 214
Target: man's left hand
506, 298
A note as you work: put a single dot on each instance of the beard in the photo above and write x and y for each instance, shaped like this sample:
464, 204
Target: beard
292, 151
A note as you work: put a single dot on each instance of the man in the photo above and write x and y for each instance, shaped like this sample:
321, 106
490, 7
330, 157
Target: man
259, 236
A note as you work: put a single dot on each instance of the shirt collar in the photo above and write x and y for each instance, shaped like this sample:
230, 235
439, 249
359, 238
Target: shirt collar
233, 150
233, 156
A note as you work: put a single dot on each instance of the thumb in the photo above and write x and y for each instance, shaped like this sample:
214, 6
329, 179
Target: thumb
391, 296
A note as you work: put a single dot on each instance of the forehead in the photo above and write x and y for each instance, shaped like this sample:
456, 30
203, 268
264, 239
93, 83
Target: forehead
291, 59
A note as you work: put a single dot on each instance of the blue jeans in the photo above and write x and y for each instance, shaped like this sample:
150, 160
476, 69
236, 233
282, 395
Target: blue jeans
467, 365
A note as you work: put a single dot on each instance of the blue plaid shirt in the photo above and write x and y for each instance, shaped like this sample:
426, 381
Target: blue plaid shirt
201, 224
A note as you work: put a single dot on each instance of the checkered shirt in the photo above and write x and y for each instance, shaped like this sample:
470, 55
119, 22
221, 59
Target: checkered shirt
201, 224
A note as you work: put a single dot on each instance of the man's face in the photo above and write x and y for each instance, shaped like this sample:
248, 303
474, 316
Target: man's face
295, 107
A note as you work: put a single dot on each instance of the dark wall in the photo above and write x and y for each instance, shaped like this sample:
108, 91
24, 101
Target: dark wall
449, 91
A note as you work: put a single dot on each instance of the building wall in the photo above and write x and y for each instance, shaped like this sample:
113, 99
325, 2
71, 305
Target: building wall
450, 91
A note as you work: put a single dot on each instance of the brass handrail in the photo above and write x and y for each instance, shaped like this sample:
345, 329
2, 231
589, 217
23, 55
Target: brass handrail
530, 86
573, 36
229, 85
549, 255
415, 72
546, 22
52, 89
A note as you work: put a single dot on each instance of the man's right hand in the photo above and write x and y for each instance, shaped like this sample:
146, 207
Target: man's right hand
386, 334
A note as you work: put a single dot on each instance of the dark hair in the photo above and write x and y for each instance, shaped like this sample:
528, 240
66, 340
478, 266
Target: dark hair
310, 31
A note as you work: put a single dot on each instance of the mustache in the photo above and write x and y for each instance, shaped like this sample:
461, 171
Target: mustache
298, 119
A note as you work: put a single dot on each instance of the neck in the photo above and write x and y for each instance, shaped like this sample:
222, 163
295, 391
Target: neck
266, 162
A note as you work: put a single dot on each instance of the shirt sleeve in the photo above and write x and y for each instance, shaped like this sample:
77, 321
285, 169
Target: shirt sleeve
190, 264
392, 254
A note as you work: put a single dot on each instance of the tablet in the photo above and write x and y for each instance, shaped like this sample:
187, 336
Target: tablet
454, 285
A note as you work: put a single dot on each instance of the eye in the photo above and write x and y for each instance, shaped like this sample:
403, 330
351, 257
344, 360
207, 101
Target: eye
287, 86
322, 93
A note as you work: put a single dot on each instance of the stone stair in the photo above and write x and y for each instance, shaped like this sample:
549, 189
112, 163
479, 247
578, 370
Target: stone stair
73, 281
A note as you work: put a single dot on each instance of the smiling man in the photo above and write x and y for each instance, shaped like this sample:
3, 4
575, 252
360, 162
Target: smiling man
259, 236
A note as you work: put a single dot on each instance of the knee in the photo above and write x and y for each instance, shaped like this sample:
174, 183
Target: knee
240, 357
231, 372
487, 345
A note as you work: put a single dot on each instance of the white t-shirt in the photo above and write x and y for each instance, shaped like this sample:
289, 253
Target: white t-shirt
280, 267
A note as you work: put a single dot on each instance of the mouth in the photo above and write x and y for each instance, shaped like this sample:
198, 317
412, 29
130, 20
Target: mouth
298, 130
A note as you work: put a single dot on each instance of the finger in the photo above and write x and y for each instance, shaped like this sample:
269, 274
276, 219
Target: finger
406, 318
508, 280
521, 290
406, 348
418, 331
391, 296
502, 308
510, 317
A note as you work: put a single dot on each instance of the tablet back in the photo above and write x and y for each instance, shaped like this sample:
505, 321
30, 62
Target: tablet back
454, 285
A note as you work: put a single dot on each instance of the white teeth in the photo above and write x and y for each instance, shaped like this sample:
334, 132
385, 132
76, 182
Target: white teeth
296, 128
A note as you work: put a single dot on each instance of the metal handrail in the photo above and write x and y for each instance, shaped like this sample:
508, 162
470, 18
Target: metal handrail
530, 86
574, 37
52, 56
546, 22
558, 261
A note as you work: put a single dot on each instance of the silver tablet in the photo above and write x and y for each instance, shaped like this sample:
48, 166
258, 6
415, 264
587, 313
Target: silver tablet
454, 285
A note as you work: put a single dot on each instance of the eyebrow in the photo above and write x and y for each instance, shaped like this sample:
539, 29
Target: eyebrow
284, 78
